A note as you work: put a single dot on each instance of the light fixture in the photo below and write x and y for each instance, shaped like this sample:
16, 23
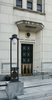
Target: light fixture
14, 41
14, 70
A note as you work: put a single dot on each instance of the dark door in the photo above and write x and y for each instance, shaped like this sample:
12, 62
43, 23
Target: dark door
26, 59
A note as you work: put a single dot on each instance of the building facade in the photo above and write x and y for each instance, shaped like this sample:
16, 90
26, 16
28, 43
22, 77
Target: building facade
31, 20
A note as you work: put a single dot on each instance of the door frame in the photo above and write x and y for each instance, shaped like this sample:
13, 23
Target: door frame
26, 42
21, 41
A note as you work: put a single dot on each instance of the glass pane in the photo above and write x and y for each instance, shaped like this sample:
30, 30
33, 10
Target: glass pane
24, 48
28, 69
24, 54
39, 7
28, 60
21, 69
19, 3
24, 69
29, 8
31, 68
28, 48
29, 5
18, 6
28, 54
24, 60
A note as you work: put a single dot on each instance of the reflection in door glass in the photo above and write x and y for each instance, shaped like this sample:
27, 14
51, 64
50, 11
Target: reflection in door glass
28, 69
21, 69
24, 69
31, 68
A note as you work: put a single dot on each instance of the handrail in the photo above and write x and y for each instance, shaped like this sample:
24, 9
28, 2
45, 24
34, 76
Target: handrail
42, 73
36, 70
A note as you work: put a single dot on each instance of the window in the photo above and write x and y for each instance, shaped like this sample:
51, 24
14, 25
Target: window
19, 3
29, 5
39, 5
39, 8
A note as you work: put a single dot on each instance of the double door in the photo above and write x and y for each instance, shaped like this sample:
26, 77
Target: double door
26, 59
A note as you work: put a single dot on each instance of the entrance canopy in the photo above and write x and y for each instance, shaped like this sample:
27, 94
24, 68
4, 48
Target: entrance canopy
25, 25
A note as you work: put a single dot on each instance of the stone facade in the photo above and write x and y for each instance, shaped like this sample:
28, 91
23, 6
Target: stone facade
41, 40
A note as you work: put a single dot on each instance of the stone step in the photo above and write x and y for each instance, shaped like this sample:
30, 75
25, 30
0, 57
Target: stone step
3, 95
36, 96
45, 98
7, 99
12, 99
27, 78
2, 88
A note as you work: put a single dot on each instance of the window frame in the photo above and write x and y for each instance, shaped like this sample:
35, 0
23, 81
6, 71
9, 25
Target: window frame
17, 5
38, 9
30, 8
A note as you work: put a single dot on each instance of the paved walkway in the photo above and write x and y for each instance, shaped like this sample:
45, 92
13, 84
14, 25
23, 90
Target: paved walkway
31, 86
30, 82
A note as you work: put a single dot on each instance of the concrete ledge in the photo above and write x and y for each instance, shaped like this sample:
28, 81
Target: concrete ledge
29, 10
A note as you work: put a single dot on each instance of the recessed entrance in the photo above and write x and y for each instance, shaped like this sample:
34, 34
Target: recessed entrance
26, 59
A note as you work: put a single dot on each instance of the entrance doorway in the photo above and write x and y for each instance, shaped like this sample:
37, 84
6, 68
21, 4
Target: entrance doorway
26, 59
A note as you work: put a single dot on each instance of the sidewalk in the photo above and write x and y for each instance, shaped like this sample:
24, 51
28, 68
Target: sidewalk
32, 87
31, 82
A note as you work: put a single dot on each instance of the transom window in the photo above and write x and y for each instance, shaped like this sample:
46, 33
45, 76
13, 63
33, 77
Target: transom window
19, 3
29, 5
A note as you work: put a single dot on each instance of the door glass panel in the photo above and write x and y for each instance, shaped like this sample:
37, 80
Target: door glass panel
28, 48
28, 54
24, 48
24, 69
28, 60
31, 68
21, 69
24, 54
28, 69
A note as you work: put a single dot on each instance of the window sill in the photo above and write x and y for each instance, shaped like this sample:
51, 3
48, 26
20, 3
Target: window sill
29, 10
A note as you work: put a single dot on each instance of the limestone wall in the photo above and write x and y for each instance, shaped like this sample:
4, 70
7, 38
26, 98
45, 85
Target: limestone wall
42, 41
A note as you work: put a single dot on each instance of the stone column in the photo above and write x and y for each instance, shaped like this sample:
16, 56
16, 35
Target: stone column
34, 5
24, 4
43, 6
14, 3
